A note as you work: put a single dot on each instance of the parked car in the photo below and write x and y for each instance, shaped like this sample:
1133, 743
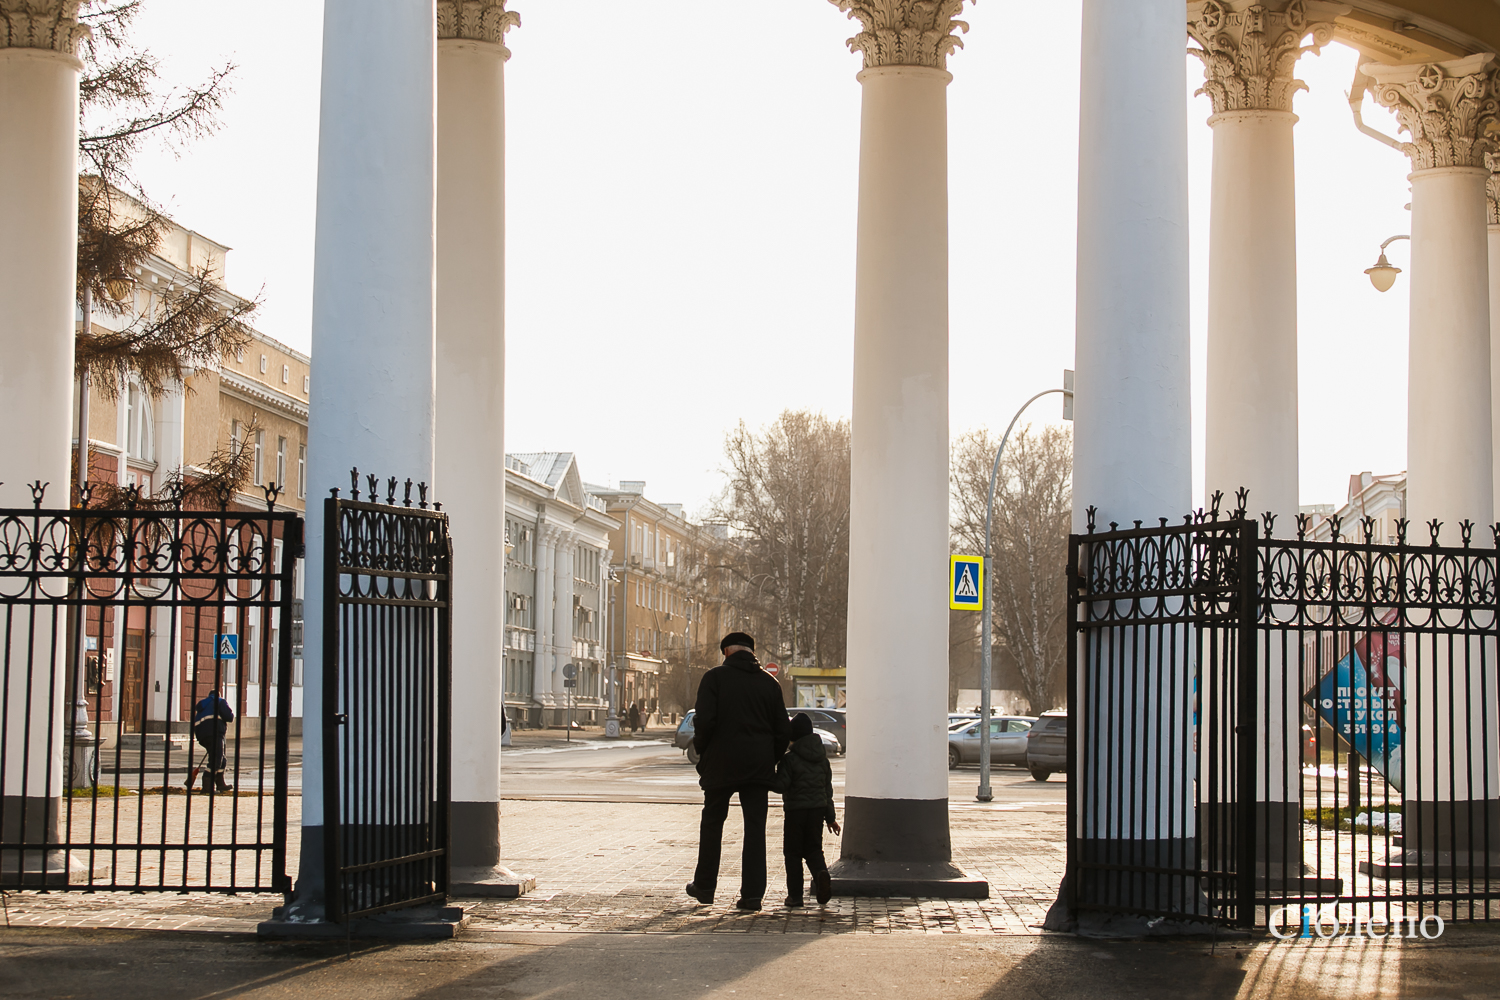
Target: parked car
956, 719
828, 719
683, 738
1047, 745
1007, 741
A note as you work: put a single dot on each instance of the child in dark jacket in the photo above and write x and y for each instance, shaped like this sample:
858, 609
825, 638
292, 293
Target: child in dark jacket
805, 780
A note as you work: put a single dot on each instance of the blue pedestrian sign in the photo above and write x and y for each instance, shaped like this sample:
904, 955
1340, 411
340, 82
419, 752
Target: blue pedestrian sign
226, 646
966, 583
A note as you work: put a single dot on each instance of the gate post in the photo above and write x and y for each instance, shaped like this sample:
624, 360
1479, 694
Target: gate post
1247, 716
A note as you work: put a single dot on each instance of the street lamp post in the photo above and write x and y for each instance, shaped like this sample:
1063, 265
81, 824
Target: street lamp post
984, 793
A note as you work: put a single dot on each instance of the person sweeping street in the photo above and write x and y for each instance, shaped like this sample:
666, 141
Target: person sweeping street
211, 719
805, 780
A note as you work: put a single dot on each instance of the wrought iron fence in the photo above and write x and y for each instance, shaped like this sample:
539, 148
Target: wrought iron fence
387, 660
117, 624
1272, 730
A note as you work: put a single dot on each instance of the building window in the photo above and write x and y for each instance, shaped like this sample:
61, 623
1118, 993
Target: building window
281, 463
307, 383
286, 374
139, 442
301, 471
260, 458
239, 352
264, 363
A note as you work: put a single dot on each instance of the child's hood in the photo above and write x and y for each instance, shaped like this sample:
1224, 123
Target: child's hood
809, 747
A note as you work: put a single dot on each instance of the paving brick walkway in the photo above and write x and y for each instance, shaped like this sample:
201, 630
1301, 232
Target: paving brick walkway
621, 867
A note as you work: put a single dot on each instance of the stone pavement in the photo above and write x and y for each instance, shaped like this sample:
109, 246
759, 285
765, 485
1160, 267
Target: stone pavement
621, 867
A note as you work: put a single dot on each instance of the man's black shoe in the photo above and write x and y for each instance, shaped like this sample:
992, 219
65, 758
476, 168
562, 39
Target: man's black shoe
748, 905
794, 903
703, 897
823, 887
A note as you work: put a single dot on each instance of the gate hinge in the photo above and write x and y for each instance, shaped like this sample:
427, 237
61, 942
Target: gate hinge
341, 719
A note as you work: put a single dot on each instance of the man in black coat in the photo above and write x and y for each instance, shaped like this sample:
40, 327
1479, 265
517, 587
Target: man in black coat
740, 731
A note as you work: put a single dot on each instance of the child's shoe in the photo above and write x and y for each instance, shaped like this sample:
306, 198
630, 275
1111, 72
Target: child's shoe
823, 887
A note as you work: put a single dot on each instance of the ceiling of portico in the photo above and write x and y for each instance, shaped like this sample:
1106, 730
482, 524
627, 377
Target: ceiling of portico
1418, 31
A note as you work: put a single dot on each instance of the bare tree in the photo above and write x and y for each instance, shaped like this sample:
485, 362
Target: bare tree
787, 505
1033, 510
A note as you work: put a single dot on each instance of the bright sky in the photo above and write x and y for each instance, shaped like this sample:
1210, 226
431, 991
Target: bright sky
682, 190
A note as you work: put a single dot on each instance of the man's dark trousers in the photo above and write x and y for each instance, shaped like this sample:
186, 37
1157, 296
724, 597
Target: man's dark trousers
753, 805
802, 840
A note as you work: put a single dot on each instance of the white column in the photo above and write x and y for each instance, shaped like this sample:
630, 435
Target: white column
373, 274
38, 262
562, 615
471, 386
1249, 50
541, 660
1132, 449
1453, 777
38, 243
1446, 108
896, 793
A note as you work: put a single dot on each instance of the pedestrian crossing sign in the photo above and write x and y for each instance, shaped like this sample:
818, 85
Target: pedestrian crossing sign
226, 647
966, 583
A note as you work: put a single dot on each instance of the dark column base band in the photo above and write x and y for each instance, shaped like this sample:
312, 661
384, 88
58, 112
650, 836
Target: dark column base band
474, 834
904, 831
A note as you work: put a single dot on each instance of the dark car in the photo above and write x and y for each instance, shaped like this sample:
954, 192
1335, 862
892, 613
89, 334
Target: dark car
830, 720
1047, 745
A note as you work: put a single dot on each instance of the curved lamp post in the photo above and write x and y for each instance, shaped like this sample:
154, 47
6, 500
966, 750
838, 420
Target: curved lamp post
986, 612
1383, 274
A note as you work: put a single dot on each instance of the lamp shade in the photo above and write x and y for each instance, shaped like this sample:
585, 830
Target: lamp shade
1383, 274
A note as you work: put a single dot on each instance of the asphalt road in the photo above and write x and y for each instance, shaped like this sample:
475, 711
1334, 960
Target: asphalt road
653, 771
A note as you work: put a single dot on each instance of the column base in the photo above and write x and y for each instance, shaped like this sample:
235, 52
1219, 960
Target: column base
474, 834
420, 923
494, 882
903, 831
931, 880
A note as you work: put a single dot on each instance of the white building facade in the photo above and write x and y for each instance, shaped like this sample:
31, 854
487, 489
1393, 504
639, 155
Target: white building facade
556, 598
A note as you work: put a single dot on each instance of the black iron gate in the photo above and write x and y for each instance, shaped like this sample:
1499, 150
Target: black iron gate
387, 671
1158, 752
116, 624
1280, 731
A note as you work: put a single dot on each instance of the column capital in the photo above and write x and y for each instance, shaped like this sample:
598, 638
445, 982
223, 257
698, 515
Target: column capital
476, 20
905, 32
42, 24
1446, 108
1250, 48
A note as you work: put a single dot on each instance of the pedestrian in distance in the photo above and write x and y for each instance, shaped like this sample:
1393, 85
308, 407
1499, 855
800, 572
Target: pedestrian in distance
211, 719
805, 780
740, 731
635, 717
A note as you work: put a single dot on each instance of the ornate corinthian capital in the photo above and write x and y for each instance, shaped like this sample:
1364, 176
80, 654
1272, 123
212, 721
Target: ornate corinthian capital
476, 20
1492, 188
1250, 50
1445, 107
905, 32
41, 24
